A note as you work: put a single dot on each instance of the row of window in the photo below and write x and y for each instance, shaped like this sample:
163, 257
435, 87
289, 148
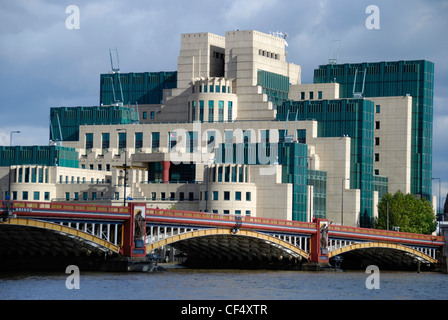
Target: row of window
310, 95
80, 180
36, 195
237, 212
191, 196
122, 141
226, 196
211, 88
30, 175
151, 115
211, 110
268, 54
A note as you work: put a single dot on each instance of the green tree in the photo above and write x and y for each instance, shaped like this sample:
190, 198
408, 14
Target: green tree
405, 211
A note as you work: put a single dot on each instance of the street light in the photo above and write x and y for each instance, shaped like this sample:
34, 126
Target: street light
125, 167
9, 173
342, 206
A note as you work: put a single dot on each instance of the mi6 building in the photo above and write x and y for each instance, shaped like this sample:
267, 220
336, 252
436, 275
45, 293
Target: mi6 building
234, 131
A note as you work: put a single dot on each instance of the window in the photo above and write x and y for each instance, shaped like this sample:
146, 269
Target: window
302, 95
41, 175
377, 157
220, 111
172, 139
152, 114
248, 196
25, 195
93, 195
211, 107
201, 110
27, 175
122, 140
226, 212
226, 195
193, 110
311, 95
191, 196
227, 174
67, 196
192, 140
105, 140
145, 115
238, 212
181, 196
162, 196
377, 108
247, 212
234, 173
153, 196
377, 141
33, 175
155, 144
238, 195
47, 196
264, 136
319, 94
89, 141
377, 172
220, 174
377, 125
215, 195
229, 111
117, 196
139, 140
85, 196
172, 195
76, 198
36, 195
14, 195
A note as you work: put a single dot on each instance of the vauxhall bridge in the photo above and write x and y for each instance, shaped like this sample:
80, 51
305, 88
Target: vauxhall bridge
42, 235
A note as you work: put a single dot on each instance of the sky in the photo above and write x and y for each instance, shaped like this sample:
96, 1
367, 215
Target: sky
45, 63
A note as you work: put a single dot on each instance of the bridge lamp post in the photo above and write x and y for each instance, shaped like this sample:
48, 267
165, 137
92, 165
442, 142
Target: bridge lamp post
125, 167
9, 173
342, 202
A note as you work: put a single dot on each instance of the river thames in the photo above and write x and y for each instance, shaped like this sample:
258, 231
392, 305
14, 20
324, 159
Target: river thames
192, 284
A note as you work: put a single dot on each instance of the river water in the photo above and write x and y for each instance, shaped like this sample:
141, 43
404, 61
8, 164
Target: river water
192, 284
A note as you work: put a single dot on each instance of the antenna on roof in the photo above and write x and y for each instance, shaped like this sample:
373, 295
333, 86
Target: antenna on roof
279, 34
333, 58
358, 95
116, 69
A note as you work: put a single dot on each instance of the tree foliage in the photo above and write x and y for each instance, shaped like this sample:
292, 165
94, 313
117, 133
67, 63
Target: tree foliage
405, 211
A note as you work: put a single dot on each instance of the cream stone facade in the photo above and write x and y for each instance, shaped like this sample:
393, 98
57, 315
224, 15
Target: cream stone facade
218, 96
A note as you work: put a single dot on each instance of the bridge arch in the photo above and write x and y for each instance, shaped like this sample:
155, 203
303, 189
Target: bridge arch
39, 232
244, 242
383, 245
